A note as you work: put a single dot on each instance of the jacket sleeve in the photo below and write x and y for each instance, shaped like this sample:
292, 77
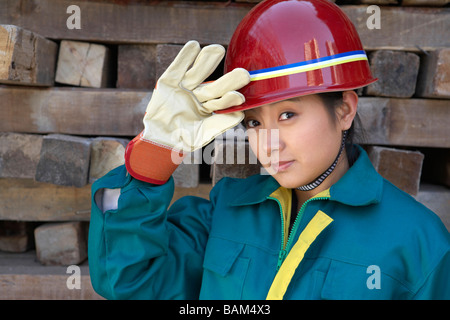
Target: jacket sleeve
142, 250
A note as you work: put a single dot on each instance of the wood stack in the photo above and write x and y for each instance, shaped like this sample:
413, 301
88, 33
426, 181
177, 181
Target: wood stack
72, 98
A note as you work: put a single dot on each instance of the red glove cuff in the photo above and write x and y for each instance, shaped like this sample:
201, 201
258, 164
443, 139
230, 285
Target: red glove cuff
151, 162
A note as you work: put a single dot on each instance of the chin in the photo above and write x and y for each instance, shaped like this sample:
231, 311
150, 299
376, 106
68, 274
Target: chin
288, 182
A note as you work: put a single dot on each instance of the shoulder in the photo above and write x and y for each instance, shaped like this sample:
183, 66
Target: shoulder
399, 234
413, 227
404, 208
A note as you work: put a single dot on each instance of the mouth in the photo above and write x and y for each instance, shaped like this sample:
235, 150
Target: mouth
281, 165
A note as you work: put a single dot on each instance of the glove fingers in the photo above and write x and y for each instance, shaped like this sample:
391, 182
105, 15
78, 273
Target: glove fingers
231, 81
207, 61
177, 69
229, 99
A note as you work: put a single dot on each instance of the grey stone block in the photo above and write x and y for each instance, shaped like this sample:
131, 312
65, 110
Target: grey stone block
64, 160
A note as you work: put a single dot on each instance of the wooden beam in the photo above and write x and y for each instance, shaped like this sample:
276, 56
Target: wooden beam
405, 28
427, 3
26, 58
108, 112
106, 154
402, 28
28, 200
405, 122
136, 66
44, 287
64, 160
83, 64
401, 167
23, 278
173, 22
61, 243
396, 72
434, 75
19, 154
78, 111
377, 2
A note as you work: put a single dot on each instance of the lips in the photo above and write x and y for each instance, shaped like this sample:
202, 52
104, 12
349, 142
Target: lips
281, 165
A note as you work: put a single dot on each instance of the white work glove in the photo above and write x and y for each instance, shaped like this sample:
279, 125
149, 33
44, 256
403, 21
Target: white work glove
179, 117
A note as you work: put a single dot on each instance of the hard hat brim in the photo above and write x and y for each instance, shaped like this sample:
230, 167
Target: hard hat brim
256, 102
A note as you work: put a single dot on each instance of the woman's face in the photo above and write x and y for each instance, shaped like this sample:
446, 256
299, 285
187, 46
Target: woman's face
295, 140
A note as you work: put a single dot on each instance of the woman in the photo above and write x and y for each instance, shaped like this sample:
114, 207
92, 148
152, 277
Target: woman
323, 225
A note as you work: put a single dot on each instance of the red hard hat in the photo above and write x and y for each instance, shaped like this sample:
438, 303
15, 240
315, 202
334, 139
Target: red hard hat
296, 47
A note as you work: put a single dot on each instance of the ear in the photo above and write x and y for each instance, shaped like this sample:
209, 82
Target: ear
346, 112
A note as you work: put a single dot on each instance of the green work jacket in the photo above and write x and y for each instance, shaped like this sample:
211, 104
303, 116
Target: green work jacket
361, 239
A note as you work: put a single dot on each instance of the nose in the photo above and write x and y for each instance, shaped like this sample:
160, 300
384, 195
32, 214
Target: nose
267, 143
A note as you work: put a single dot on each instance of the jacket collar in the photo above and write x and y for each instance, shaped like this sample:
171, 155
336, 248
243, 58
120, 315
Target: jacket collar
256, 189
360, 186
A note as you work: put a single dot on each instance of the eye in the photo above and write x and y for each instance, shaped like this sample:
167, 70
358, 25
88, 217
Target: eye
251, 123
286, 115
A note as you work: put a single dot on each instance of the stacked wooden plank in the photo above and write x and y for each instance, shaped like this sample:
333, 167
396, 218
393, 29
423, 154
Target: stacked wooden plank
72, 98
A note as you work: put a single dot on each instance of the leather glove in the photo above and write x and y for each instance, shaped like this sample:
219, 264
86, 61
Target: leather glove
180, 116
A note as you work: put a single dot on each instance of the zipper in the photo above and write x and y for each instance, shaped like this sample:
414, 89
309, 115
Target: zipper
282, 253
285, 247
